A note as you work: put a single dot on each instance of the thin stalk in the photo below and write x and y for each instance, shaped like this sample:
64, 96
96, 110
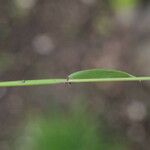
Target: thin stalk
31, 82
58, 81
110, 79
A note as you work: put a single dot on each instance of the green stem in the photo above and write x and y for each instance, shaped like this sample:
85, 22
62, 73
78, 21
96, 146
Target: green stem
110, 79
31, 82
58, 81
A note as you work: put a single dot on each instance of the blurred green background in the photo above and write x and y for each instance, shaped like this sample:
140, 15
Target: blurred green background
53, 38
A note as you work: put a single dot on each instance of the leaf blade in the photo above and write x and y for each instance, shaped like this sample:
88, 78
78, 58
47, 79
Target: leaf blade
99, 73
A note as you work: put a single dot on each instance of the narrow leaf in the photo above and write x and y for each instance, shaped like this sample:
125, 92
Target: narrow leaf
99, 73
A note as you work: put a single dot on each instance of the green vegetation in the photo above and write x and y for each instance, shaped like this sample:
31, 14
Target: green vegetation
121, 4
76, 131
93, 75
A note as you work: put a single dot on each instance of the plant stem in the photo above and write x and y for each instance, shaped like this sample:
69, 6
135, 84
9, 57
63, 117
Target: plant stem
58, 81
110, 79
31, 82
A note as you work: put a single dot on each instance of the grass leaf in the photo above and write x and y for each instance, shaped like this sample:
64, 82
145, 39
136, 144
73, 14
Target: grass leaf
99, 73
93, 75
